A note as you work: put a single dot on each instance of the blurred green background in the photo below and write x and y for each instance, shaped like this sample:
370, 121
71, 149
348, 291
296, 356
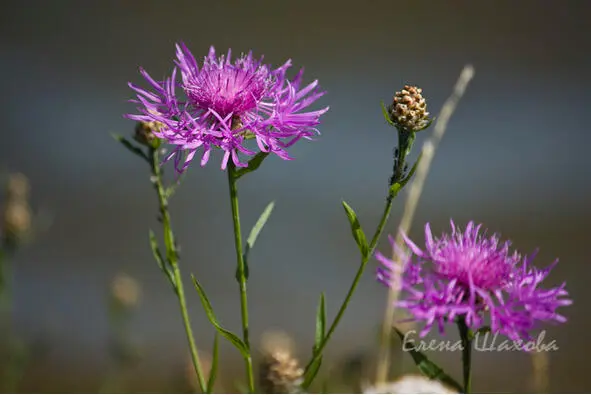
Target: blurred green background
515, 158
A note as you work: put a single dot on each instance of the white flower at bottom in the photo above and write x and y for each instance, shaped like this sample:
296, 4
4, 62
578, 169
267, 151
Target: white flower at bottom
410, 384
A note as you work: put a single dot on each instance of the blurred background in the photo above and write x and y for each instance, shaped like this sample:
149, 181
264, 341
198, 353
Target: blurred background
515, 157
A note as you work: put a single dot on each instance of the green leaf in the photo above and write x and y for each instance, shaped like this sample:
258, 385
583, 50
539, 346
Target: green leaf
429, 122
387, 115
214, 365
427, 367
312, 371
320, 322
159, 259
253, 164
132, 148
235, 340
252, 237
358, 234
397, 186
258, 226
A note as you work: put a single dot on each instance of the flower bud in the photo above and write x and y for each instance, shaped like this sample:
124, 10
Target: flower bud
144, 133
408, 110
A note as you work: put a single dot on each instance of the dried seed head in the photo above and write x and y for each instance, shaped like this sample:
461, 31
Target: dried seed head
409, 109
16, 220
280, 372
144, 133
125, 290
410, 384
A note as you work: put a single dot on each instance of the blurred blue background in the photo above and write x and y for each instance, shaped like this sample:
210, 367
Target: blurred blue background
515, 157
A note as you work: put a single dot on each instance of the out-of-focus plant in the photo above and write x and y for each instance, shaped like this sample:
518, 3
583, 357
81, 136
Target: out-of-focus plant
16, 216
124, 296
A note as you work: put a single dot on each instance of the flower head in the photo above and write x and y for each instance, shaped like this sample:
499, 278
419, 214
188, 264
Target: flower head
224, 103
409, 109
471, 275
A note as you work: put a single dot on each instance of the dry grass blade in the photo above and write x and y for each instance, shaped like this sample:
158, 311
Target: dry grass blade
414, 194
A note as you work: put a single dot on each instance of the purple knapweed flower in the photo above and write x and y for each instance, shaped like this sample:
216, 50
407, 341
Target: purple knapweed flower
222, 104
471, 276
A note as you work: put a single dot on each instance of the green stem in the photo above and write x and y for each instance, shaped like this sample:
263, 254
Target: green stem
358, 275
172, 257
241, 271
466, 353
405, 141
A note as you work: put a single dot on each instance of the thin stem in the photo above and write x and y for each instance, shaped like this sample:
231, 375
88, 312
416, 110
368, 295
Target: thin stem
466, 353
414, 194
172, 256
241, 271
360, 270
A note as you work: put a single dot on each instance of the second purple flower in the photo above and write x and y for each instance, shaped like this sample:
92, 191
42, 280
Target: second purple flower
223, 104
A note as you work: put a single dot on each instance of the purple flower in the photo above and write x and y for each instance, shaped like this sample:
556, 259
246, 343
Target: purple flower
224, 104
472, 275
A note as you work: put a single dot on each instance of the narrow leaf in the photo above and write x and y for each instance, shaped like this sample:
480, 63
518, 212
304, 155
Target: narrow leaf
159, 258
387, 115
312, 371
252, 237
253, 164
258, 226
235, 340
214, 365
358, 234
412, 170
132, 148
397, 186
320, 322
427, 367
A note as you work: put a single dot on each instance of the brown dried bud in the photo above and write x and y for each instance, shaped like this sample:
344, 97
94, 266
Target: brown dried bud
409, 109
17, 219
144, 133
125, 290
280, 372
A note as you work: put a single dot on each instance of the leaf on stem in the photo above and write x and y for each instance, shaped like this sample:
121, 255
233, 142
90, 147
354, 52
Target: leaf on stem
214, 365
254, 234
235, 340
320, 322
258, 226
253, 164
427, 367
386, 115
397, 186
160, 259
318, 338
358, 234
132, 148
